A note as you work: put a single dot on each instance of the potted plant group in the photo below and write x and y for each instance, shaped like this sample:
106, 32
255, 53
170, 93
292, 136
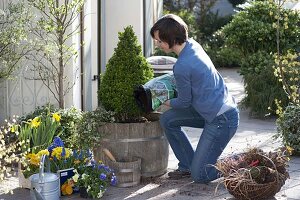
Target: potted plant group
132, 134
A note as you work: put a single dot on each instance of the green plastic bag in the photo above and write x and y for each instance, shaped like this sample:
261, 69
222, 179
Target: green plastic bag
155, 92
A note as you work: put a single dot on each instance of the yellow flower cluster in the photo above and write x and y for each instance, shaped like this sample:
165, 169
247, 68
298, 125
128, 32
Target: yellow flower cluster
35, 159
57, 152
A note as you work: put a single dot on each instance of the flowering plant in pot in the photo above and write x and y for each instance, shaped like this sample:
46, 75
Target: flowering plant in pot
94, 179
63, 161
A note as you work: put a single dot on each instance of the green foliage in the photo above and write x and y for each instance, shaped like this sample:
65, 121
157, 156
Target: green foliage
14, 22
203, 25
254, 28
125, 70
213, 22
222, 56
288, 126
261, 86
253, 33
69, 119
87, 127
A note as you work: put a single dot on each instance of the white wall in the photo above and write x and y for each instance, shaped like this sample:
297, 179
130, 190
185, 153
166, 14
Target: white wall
116, 15
90, 55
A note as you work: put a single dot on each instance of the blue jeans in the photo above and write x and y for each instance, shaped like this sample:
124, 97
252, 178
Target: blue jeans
212, 142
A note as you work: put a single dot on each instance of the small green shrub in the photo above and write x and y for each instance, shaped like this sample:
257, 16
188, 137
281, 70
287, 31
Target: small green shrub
253, 33
261, 86
87, 128
125, 70
288, 126
221, 55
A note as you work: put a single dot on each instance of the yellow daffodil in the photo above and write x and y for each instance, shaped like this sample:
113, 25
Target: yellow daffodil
43, 152
56, 117
34, 159
35, 122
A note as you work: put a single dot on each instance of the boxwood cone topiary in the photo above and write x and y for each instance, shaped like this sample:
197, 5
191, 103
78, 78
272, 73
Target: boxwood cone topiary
125, 70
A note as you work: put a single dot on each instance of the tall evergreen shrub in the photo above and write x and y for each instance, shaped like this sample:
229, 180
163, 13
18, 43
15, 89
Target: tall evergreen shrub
253, 33
125, 70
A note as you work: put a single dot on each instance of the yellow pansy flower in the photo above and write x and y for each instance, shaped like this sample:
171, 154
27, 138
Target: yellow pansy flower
57, 152
56, 117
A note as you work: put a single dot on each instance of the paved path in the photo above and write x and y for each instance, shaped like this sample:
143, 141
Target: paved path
251, 133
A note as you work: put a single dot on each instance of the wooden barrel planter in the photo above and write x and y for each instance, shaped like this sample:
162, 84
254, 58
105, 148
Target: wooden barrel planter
144, 140
128, 171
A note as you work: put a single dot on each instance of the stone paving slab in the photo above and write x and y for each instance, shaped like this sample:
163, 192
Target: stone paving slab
251, 133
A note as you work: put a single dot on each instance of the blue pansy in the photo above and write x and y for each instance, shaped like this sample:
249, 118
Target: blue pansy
107, 169
101, 166
102, 176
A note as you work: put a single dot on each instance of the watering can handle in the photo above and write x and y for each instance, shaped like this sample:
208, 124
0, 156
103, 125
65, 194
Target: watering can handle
42, 163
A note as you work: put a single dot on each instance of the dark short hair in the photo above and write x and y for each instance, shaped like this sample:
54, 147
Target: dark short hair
172, 30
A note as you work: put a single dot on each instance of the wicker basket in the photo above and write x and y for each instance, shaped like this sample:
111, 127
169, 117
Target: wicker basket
250, 190
244, 187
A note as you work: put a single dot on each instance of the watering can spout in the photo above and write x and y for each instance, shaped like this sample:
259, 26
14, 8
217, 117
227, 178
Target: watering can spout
38, 195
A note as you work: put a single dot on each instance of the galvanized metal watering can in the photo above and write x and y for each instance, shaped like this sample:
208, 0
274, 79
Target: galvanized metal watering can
44, 186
